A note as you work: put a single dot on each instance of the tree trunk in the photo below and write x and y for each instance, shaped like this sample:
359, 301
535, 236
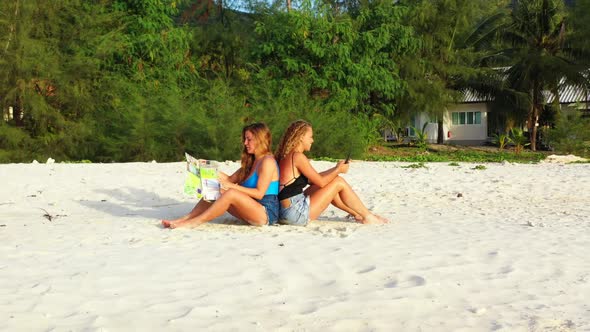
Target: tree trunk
535, 118
18, 111
556, 104
441, 133
288, 5
534, 115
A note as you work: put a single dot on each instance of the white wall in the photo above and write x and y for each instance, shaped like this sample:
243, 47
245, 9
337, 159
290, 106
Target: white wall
472, 132
431, 128
460, 134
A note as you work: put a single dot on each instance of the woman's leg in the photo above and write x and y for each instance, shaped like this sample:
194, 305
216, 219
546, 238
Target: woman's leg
322, 197
337, 202
198, 209
247, 208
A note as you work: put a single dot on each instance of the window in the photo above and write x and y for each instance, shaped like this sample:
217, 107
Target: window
466, 118
477, 118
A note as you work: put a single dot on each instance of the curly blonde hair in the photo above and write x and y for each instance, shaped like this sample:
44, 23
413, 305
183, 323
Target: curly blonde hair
291, 138
263, 141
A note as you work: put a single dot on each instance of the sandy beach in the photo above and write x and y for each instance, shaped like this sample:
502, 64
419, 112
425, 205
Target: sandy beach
503, 248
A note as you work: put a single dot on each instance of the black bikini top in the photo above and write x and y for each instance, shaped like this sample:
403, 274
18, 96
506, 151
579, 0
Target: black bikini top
296, 186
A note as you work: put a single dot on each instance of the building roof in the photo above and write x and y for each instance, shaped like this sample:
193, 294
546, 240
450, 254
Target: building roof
569, 94
469, 96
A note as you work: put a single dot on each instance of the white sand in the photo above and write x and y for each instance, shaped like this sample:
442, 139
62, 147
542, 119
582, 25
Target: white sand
570, 158
511, 254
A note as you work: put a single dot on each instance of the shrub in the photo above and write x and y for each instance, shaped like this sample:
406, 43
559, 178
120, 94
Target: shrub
421, 137
501, 140
519, 139
336, 133
571, 135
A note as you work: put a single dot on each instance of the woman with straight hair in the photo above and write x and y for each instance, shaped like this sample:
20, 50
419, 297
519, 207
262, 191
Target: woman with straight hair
299, 206
250, 193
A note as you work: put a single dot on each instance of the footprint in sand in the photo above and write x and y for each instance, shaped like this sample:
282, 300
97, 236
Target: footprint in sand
309, 310
492, 255
412, 281
367, 269
341, 231
391, 284
40, 289
416, 281
507, 269
134, 240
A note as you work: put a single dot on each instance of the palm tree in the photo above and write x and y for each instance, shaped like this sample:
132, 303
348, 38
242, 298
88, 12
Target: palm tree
532, 43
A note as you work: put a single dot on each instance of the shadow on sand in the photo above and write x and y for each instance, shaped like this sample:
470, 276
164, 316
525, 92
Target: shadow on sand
138, 203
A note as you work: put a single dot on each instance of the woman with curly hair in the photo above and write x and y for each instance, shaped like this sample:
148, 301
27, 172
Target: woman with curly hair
250, 193
298, 207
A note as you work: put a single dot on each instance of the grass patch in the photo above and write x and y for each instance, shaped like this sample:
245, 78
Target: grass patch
479, 167
418, 165
450, 153
83, 161
454, 164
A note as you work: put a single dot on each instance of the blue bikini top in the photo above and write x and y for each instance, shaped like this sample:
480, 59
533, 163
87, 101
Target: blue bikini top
252, 182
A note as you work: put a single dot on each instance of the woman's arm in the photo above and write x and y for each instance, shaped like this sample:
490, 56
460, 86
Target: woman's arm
320, 179
228, 178
265, 173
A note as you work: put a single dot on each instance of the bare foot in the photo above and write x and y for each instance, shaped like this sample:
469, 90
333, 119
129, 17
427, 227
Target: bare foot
185, 223
357, 218
384, 220
372, 219
168, 223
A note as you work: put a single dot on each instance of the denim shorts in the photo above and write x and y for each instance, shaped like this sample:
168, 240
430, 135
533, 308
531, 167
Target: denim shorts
298, 213
271, 205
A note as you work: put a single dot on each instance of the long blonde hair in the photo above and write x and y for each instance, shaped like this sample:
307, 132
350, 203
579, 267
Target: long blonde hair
263, 144
291, 138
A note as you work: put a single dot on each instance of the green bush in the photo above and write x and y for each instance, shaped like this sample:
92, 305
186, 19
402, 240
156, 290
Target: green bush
418, 165
501, 140
519, 139
571, 135
336, 133
15, 144
421, 137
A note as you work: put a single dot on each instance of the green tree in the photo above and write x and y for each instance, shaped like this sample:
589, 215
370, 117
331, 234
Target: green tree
347, 63
579, 15
437, 77
145, 95
48, 74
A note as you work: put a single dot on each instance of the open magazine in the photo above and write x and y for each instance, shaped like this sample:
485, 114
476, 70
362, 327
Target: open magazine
201, 179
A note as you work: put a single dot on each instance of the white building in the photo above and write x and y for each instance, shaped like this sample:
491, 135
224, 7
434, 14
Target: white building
467, 123
463, 124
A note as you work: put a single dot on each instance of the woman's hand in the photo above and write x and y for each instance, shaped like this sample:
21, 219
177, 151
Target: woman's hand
225, 184
342, 167
223, 181
222, 176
